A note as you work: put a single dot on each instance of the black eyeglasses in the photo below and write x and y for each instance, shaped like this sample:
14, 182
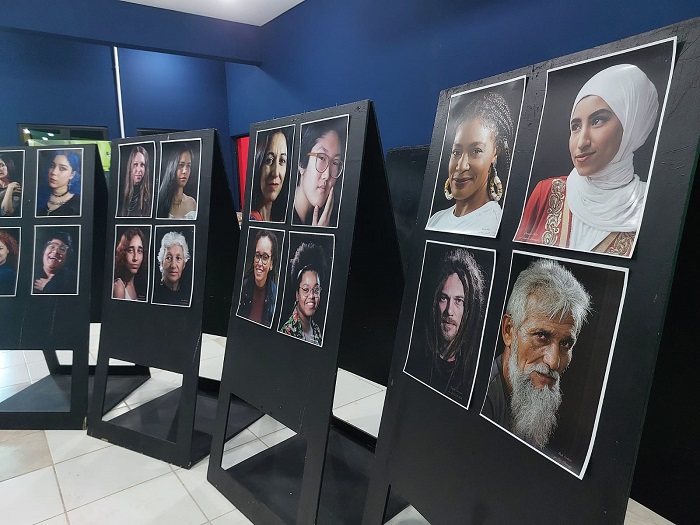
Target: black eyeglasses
323, 160
265, 258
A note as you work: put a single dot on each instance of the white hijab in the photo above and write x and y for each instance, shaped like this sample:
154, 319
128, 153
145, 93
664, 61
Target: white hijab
612, 199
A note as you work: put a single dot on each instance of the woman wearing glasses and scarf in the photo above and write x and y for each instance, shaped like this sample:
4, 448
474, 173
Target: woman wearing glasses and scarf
259, 289
53, 272
321, 163
308, 270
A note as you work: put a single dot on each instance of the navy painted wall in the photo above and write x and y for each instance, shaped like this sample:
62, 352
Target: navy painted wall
49, 80
401, 54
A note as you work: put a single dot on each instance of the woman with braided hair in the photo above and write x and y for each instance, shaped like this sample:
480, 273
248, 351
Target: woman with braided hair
481, 146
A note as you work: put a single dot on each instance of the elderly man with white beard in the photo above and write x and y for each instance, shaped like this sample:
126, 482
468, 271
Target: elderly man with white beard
543, 318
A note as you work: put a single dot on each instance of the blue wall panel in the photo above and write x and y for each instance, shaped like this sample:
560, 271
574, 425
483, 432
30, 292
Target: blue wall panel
401, 54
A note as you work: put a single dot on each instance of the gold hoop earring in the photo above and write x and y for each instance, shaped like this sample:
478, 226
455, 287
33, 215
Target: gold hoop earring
448, 193
495, 186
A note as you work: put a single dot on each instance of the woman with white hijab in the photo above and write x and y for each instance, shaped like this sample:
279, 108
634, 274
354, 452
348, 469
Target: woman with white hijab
598, 206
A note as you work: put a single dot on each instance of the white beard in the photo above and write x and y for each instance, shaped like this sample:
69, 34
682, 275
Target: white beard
533, 410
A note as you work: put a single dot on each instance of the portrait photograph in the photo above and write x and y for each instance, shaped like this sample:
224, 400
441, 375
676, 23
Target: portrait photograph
11, 182
137, 170
552, 357
59, 183
595, 150
261, 276
173, 263
130, 277
320, 171
271, 174
475, 159
56, 260
307, 286
448, 320
178, 181
10, 242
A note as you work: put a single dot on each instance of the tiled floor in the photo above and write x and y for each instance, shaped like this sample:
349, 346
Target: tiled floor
60, 477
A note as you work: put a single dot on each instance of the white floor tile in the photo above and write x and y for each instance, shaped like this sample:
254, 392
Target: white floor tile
638, 514
211, 368
98, 474
65, 357
350, 388
11, 358
14, 375
116, 411
243, 437
12, 434
9, 391
69, 444
58, 520
166, 375
210, 500
277, 437
364, 414
37, 370
163, 500
19, 499
211, 349
408, 516
151, 389
31, 356
24, 453
235, 517
265, 425
235, 455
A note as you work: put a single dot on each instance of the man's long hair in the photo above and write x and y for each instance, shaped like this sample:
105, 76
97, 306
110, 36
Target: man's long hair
466, 342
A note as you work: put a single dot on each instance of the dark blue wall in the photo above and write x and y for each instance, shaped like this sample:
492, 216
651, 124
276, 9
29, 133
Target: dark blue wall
402, 53
48, 80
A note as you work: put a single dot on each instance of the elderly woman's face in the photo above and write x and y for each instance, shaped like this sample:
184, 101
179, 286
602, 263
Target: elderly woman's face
473, 152
4, 252
55, 255
138, 168
184, 168
317, 185
60, 172
173, 263
274, 167
134, 255
308, 295
596, 134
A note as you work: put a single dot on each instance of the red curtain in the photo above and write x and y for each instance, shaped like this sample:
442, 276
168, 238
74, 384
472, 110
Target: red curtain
242, 144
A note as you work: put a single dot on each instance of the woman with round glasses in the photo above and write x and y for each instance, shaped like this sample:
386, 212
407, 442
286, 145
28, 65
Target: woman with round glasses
259, 289
308, 269
321, 164
10, 189
482, 144
269, 193
9, 254
53, 273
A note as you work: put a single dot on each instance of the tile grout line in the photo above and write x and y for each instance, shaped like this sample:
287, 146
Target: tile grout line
58, 484
193, 498
358, 399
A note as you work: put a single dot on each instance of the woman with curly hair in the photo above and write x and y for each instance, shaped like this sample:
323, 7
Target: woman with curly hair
129, 281
9, 253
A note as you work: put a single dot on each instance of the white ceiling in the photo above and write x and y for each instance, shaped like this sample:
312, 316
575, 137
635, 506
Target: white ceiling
254, 12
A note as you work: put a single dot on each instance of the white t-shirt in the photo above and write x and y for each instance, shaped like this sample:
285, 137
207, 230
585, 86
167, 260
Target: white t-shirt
483, 221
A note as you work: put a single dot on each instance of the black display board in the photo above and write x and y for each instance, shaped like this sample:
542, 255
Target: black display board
48, 272
270, 362
438, 449
169, 207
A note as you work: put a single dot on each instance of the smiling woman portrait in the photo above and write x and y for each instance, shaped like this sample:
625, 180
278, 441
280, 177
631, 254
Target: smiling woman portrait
598, 206
55, 264
259, 288
480, 148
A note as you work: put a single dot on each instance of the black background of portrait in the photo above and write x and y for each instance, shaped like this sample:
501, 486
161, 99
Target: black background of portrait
279, 207
188, 232
124, 153
326, 242
250, 253
582, 383
552, 158
455, 466
512, 92
192, 188
429, 282
142, 280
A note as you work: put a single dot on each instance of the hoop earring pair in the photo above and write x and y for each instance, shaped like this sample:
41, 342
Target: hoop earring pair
495, 186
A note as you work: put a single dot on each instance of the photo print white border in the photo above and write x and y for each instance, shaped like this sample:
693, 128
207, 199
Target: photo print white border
450, 118
288, 179
487, 291
120, 178
82, 179
159, 179
24, 167
76, 250
611, 352
659, 125
280, 251
146, 229
179, 228
346, 116
282, 319
18, 237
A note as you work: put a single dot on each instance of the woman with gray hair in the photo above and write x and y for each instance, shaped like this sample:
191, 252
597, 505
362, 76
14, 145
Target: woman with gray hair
173, 256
